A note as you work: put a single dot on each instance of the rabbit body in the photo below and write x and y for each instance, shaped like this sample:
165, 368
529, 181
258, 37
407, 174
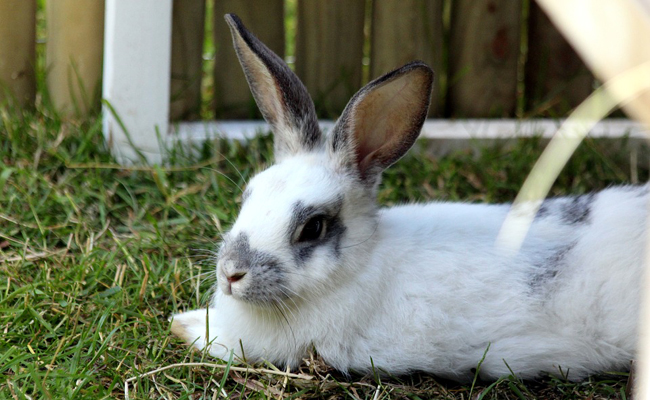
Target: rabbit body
313, 262
423, 287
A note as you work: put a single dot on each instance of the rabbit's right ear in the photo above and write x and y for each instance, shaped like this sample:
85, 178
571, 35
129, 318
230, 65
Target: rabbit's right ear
282, 98
381, 122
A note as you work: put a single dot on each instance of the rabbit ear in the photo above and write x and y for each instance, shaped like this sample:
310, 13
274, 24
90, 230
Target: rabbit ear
381, 122
282, 98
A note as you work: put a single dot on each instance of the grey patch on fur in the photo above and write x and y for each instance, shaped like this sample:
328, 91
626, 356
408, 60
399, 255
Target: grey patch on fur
334, 228
263, 269
543, 210
549, 267
552, 207
571, 210
578, 209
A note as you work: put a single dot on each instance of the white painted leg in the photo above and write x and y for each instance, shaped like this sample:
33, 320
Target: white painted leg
137, 60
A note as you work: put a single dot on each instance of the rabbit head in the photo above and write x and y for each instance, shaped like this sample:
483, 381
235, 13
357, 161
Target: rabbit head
307, 222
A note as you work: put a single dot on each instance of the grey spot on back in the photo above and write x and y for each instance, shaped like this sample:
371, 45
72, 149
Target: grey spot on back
570, 210
578, 209
548, 267
551, 207
543, 210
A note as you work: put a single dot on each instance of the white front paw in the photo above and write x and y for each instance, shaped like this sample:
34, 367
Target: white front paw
197, 325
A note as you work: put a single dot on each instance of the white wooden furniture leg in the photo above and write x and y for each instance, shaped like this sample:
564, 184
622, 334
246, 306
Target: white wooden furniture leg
137, 60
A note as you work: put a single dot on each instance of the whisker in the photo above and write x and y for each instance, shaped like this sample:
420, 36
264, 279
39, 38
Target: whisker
277, 307
291, 295
286, 306
301, 275
223, 156
232, 165
200, 251
207, 273
225, 176
200, 258
203, 250
368, 238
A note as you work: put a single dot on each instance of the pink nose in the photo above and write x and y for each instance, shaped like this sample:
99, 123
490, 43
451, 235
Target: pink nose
235, 277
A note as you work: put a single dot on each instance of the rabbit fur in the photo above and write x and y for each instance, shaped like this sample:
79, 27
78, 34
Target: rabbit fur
419, 287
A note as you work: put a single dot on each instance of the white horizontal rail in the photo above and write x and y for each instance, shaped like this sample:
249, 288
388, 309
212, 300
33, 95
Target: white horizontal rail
433, 129
449, 134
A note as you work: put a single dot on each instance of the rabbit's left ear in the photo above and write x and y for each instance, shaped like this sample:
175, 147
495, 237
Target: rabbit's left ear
282, 98
381, 122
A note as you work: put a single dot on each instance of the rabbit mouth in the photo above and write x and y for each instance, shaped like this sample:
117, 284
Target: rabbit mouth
258, 296
260, 285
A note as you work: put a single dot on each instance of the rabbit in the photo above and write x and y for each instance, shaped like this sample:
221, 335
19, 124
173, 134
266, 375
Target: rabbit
313, 263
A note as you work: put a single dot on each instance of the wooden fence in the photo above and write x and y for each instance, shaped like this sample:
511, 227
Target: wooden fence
493, 58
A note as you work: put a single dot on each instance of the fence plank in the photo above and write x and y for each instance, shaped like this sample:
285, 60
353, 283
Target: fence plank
265, 18
484, 52
17, 51
407, 30
556, 78
74, 54
136, 78
188, 25
329, 51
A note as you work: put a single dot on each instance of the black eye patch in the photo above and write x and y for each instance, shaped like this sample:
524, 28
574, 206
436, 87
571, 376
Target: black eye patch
313, 226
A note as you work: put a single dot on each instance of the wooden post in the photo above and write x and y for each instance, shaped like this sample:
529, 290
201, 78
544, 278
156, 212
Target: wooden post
329, 51
484, 52
17, 51
74, 54
407, 30
137, 78
265, 18
556, 78
188, 25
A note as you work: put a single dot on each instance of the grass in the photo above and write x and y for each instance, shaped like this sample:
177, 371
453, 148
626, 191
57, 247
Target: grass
94, 257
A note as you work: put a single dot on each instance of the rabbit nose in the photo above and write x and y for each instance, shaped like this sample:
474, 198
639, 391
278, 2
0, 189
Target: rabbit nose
235, 276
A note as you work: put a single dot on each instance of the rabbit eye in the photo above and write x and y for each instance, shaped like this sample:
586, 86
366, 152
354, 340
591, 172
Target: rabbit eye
313, 229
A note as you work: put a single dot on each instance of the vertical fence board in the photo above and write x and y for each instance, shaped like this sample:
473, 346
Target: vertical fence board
484, 52
17, 51
136, 78
188, 23
406, 30
329, 51
265, 18
74, 54
556, 78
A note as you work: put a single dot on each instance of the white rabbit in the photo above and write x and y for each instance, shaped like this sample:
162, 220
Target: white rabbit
313, 263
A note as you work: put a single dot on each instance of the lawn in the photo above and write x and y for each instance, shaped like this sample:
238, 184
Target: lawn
95, 257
